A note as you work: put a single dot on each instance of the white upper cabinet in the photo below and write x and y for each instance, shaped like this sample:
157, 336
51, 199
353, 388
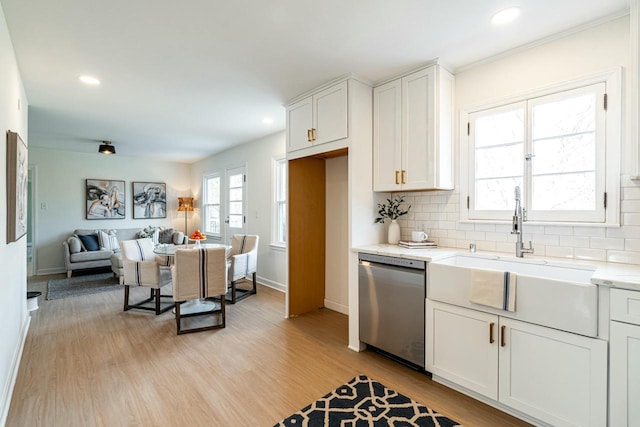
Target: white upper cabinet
318, 119
412, 132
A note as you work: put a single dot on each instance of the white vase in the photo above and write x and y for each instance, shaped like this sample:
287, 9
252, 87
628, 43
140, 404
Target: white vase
394, 232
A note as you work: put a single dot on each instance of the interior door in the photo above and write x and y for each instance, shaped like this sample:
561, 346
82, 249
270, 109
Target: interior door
235, 221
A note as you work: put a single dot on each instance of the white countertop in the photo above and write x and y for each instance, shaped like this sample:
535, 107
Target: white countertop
615, 275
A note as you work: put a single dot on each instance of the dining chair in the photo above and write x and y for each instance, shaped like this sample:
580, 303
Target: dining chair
243, 262
141, 268
200, 279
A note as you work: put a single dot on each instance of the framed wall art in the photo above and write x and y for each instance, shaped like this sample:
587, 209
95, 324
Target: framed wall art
17, 179
105, 199
149, 200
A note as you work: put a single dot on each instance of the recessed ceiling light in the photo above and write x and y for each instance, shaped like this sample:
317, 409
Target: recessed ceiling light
505, 16
267, 121
89, 80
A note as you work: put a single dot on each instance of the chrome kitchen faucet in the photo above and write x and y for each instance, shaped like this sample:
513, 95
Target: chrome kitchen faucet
519, 216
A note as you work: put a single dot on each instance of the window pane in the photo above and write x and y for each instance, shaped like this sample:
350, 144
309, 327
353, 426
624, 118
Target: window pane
567, 154
235, 208
565, 117
501, 161
235, 221
281, 177
574, 191
213, 190
212, 219
235, 194
500, 128
235, 181
496, 194
282, 222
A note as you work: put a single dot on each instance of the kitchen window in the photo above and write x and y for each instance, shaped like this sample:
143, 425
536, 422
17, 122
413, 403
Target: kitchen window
211, 205
560, 146
279, 227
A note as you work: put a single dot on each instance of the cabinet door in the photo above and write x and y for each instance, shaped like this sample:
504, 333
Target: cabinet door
387, 136
624, 340
330, 114
555, 376
459, 347
299, 124
418, 118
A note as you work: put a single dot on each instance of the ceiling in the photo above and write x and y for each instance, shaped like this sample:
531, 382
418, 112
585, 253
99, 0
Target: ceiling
183, 80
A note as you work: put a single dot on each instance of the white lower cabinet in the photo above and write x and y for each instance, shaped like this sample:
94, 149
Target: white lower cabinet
624, 341
557, 377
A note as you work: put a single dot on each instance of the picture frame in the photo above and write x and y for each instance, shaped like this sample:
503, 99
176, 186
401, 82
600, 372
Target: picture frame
149, 200
105, 199
17, 183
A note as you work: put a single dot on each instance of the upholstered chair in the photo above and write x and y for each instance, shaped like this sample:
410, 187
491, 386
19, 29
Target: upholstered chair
141, 268
243, 262
200, 281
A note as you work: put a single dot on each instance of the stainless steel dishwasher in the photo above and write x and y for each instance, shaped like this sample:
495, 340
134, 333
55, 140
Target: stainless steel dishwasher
391, 297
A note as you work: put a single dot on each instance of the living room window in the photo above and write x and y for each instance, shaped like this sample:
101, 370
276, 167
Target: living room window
211, 204
279, 226
559, 145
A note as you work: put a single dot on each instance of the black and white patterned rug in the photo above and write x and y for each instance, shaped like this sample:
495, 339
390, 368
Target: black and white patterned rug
363, 402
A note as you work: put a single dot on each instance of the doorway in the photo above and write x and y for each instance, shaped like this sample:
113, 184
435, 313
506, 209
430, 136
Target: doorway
31, 221
236, 207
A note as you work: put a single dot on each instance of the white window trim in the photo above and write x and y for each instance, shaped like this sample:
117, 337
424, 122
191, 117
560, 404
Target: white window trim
216, 173
275, 244
613, 134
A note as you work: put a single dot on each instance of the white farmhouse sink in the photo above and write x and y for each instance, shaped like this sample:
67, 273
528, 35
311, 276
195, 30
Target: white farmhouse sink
556, 295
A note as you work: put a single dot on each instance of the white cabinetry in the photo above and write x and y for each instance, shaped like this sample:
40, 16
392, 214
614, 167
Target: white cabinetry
412, 132
318, 119
624, 339
554, 376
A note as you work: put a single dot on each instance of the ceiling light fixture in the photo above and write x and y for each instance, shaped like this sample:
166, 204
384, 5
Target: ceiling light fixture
92, 81
267, 121
505, 16
106, 148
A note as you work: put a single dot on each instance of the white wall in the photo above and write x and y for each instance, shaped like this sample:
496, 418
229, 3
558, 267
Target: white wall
591, 51
60, 184
14, 317
336, 293
258, 156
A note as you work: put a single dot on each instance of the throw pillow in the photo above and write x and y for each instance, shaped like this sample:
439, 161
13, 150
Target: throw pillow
150, 232
178, 238
82, 248
74, 245
108, 241
165, 235
90, 242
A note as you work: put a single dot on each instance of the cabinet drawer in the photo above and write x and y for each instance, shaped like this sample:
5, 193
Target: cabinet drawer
625, 306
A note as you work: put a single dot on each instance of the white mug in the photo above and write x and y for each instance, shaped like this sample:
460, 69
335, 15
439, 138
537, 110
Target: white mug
418, 236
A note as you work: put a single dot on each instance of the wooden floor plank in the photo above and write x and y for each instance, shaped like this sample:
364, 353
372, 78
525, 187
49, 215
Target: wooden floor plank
86, 362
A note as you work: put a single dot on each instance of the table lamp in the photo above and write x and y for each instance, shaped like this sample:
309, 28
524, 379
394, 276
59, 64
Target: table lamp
185, 204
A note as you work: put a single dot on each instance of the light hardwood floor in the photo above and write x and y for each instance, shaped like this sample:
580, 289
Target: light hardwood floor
88, 363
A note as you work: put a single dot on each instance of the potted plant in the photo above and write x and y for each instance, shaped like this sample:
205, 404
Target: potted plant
392, 210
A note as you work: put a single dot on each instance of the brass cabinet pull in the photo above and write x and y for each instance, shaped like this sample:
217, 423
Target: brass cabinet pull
502, 328
397, 177
491, 340
309, 135
313, 134
403, 174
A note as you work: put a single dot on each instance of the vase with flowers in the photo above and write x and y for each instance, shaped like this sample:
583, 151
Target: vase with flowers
392, 210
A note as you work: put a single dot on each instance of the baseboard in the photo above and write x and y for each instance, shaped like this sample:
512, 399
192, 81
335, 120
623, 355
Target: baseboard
271, 284
15, 367
54, 270
340, 308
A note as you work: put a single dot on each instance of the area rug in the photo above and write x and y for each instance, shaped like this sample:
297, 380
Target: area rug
363, 402
81, 285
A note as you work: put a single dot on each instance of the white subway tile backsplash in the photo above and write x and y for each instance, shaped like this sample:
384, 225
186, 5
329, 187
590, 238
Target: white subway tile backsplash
574, 241
627, 232
465, 226
486, 246
506, 247
456, 234
632, 245
559, 252
590, 254
631, 219
590, 231
629, 193
561, 231
497, 237
476, 235
630, 206
624, 257
607, 243
486, 227
544, 239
